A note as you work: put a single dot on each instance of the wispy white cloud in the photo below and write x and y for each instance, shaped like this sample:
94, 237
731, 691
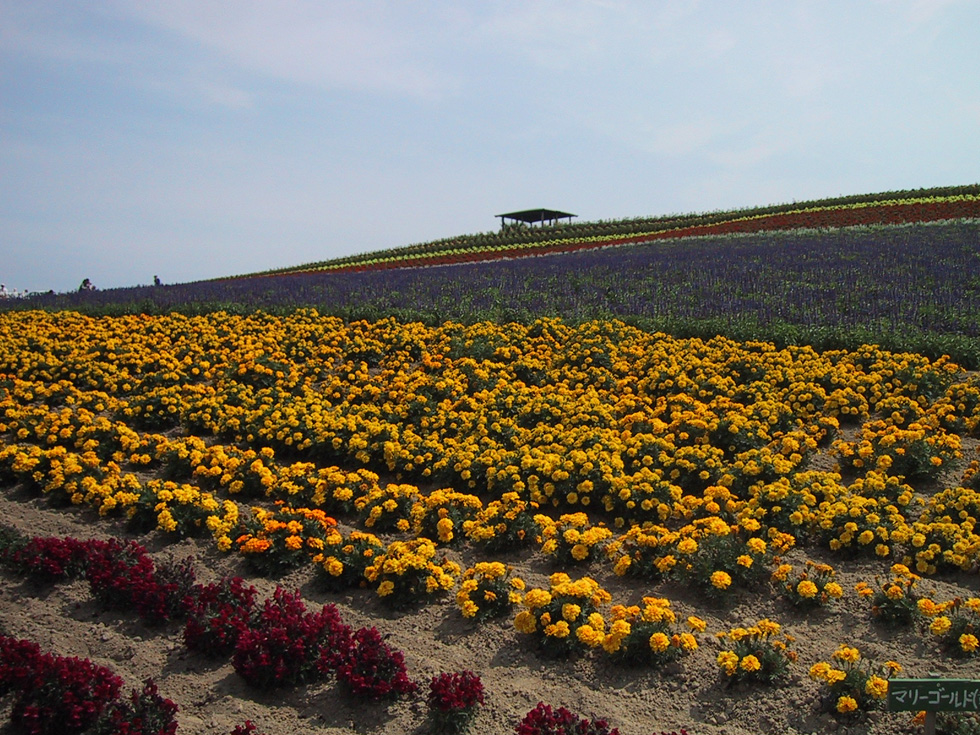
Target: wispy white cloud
370, 45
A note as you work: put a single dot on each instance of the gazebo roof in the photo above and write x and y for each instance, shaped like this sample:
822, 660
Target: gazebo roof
535, 215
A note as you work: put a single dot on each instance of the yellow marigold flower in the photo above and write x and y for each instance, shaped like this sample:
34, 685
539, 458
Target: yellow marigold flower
570, 612
537, 598
659, 642
894, 592
864, 589
876, 687
846, 704
687, 546
728, 661
782, 573
224, 543
721, 580
386, 588
848, 654
833, 590
620, 628
819, 670
444, 528
806, 589
665, 563
893, 667
525, 622
750, 663
744, 561
469, 608
927, 607
580, 552
940, 625
589, 636
294, 543
968, 643
688, 642
596, 621
166, 522
622, 566
835, 675
611, 643
333, 566
756, 545
558, 630
769, 627
736, 634
697, 624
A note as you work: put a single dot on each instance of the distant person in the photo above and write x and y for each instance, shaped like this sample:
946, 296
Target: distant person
3, 291
87, 285
156, 280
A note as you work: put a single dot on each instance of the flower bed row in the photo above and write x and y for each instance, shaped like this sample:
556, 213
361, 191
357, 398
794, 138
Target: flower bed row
929, 209
637, 446
275, 644
282, 643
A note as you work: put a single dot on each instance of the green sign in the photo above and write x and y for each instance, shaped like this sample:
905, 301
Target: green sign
934, 695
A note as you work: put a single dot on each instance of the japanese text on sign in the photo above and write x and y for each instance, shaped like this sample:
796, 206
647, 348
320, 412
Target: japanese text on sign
934, 695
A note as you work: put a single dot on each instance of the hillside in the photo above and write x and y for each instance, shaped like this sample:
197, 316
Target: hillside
511, 241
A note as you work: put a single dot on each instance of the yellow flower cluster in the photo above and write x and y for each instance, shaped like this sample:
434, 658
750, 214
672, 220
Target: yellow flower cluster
894, 600
565, 618
388, 508
759, 653
853, 683
955, 622
488, 590
441, 514
646, 634
406, 572
504, 524
572, 538
345, 557
917, 450
175, 508
813, 586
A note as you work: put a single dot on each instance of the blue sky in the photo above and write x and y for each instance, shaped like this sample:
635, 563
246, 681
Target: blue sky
194, 139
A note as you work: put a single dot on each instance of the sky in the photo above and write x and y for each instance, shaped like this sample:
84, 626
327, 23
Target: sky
196, 139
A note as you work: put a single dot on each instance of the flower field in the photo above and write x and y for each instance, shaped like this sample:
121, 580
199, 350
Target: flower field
912, 287
328, 526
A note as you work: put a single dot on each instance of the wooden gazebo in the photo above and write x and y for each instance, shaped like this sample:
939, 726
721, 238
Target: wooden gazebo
535, 216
